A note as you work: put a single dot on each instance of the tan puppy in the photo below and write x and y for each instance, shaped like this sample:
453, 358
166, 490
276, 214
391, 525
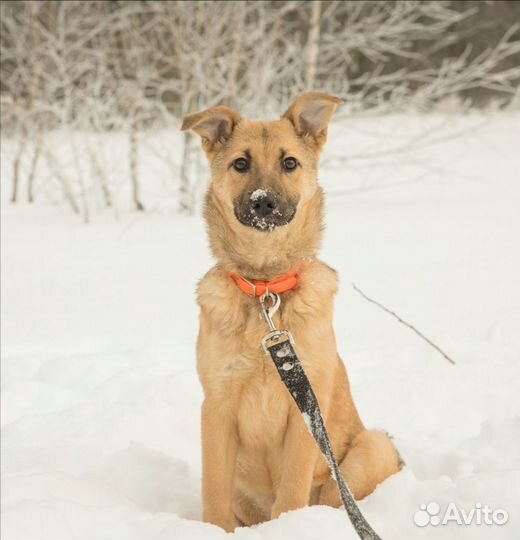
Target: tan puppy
264, 214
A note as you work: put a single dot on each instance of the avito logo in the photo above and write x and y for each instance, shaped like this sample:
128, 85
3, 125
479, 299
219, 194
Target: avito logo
430, 514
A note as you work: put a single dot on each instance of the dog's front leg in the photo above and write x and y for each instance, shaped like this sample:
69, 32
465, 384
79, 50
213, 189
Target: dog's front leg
299, 459
219, 453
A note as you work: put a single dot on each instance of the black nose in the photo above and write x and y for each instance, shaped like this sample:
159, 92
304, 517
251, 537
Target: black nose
264, 204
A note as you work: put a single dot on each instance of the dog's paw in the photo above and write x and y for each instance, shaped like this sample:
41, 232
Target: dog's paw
226, 522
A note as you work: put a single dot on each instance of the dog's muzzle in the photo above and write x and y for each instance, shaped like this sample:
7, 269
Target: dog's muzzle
264, 210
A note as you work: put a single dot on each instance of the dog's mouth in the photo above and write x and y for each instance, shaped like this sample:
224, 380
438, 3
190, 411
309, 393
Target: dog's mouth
264, 223
264, 211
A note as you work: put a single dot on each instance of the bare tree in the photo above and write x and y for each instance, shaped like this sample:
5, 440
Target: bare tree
133, 149
313, 44
135, 68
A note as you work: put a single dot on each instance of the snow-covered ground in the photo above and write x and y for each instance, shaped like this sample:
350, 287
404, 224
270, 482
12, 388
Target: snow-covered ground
100, 397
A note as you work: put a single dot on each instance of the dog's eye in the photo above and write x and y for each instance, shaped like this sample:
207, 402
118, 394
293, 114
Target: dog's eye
241, 164
289, 164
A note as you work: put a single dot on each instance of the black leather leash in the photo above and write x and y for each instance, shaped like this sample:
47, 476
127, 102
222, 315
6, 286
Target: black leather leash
279, 345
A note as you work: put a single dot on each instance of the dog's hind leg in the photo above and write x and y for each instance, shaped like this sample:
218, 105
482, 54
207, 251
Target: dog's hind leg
371, 458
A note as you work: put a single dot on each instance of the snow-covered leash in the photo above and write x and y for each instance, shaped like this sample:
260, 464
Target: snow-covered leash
279, 345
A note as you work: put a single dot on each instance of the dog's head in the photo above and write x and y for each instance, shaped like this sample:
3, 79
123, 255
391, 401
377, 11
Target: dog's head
265, 173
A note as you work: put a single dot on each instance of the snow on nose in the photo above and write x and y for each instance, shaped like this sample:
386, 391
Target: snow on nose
263, 203
257, 194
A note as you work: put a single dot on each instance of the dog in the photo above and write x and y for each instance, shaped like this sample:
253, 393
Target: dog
264, 215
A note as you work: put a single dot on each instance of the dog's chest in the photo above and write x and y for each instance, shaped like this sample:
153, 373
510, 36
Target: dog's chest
232, 364
263, 409
246, 371
264, 402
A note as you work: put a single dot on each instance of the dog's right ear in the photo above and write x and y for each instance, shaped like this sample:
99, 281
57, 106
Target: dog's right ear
214, 126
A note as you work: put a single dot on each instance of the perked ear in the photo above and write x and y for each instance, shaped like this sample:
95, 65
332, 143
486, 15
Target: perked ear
310, 115
214, 125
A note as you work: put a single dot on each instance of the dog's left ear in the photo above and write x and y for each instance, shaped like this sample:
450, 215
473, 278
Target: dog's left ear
310, 115
214, 126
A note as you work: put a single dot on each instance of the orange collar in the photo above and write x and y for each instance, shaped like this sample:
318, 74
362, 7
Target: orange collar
256, 287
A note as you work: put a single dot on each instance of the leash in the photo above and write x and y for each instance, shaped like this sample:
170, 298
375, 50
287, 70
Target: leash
279, 345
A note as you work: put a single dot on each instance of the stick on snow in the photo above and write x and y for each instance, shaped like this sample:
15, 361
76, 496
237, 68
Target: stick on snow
410, 326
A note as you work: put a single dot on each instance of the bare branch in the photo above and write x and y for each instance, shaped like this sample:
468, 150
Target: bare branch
411, 327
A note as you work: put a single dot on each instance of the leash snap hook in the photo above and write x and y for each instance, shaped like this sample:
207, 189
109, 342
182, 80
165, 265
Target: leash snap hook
269, 311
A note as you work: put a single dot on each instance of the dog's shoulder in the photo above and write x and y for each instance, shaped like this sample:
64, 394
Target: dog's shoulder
319, 278
313, 298
220, 300
215, 286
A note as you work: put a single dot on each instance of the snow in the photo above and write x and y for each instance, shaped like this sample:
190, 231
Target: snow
257, 194
307, 420
100, 396
261, 222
